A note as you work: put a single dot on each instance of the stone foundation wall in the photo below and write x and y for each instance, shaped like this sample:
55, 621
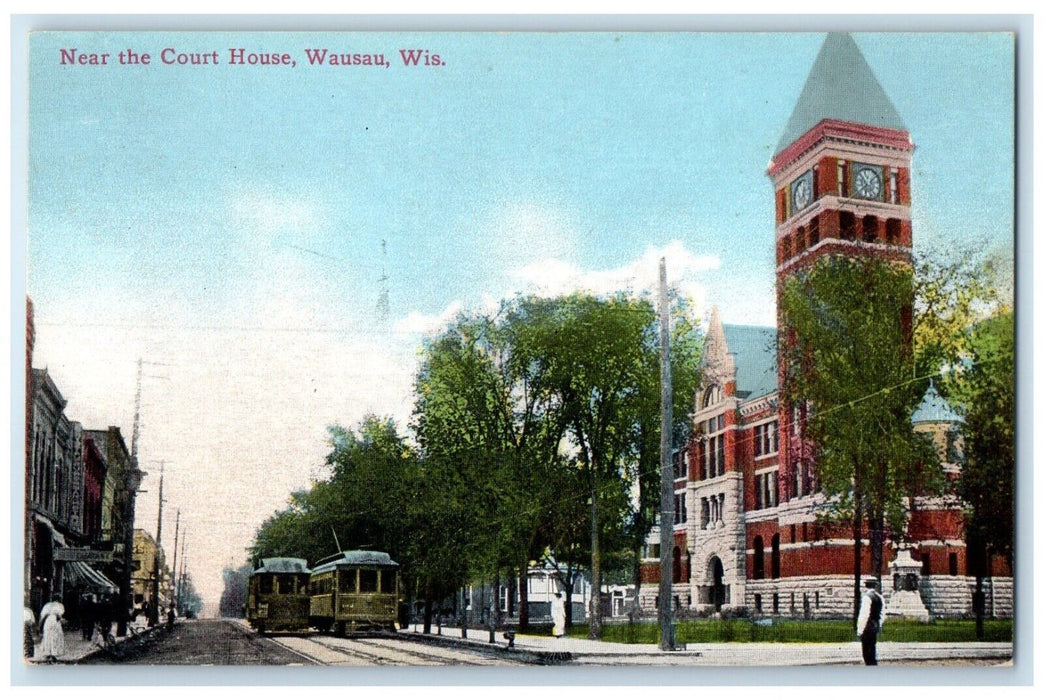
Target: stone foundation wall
826, 596
945, 597
951, 596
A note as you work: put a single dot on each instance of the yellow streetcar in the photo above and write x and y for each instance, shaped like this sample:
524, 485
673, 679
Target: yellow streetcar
277, 595
354, 591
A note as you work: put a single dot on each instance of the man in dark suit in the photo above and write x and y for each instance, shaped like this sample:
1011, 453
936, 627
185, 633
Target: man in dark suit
871, 620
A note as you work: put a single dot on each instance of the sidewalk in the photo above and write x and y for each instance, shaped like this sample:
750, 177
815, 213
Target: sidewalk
76, 647
579, 650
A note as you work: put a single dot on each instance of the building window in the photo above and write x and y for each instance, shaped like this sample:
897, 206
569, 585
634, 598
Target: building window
766, 492
842, 179
652, 551
681, 464
759, 558
870, 229
704, 513
775, 603
893, 187
681, 513
799, 240
953, 563
711, 396
813, 231
713, 447
847, 225
757, 602
676, 572
893, 228
926, 563
766, 439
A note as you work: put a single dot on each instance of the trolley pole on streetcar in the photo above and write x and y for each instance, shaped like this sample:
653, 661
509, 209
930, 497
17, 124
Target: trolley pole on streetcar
666, 612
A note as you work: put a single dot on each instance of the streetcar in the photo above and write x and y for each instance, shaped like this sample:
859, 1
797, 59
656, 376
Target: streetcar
354, 591
277, 595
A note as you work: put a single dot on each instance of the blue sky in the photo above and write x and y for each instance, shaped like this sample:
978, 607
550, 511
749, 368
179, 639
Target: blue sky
227, 221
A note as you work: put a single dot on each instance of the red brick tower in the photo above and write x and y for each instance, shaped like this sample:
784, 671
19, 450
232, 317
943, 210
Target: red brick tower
841, 176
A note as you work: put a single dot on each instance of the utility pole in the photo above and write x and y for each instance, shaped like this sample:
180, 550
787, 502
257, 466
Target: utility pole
174, 567
666, 471
181, 578
154, 608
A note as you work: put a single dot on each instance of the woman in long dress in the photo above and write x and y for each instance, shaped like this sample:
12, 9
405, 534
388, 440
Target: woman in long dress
558, 615
53, 643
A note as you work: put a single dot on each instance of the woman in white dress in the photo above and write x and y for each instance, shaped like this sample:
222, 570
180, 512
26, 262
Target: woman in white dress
53, 643
558, 615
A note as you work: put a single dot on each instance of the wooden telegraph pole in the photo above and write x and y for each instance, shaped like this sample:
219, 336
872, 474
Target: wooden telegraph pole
154, 608
666, 471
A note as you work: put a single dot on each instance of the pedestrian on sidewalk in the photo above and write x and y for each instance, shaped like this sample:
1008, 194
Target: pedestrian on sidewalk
871, 620
28, 632
53, 644
558, 616
88, 606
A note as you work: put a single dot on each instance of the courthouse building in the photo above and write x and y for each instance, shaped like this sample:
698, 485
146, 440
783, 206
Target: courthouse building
746, 535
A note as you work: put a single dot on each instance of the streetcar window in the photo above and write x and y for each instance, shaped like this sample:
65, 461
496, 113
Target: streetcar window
367, 581
388, 581
347, 581
286, 584
266, 584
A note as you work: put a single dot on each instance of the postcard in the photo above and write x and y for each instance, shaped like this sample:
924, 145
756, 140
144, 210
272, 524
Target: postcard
607, 348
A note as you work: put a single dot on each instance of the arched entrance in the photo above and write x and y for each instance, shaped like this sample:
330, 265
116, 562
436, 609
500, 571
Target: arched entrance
718, 591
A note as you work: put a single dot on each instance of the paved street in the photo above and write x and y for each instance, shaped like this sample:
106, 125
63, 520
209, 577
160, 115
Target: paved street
232, 643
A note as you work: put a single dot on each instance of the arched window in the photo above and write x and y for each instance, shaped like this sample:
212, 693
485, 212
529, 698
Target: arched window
775, 555
759, 557
712, 395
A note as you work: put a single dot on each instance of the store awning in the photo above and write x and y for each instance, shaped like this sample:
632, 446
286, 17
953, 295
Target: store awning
87, 576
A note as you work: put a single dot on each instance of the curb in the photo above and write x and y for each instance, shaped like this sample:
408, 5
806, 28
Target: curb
531, 656
149, 635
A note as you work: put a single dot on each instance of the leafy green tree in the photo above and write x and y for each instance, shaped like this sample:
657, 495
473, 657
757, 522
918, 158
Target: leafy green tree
488, 427
848, 359
987, 482
234, 594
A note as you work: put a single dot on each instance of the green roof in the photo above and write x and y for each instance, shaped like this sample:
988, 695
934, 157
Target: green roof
282, 565
753, 350
840, 86
934, 409
355, 557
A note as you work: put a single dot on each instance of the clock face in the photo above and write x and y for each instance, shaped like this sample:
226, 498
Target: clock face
801, 191
868, 183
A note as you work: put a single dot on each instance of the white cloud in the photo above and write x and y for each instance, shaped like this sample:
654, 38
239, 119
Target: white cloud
417, 323
554, 277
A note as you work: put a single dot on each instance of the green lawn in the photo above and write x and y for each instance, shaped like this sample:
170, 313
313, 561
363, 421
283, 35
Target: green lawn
703, 631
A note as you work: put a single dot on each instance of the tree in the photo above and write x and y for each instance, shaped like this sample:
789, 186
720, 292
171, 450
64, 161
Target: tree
189, 599
489, 428
848, 367
234, 594
602, 358
987, 483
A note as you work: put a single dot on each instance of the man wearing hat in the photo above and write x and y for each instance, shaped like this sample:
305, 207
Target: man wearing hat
871, 620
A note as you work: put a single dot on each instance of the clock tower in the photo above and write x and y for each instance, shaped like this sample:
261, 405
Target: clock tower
841, 177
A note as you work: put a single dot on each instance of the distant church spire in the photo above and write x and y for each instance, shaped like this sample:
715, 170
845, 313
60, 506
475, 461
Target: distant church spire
840, 86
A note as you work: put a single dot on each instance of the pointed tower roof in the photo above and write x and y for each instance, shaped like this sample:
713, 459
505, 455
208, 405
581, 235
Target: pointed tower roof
934, 409
840, 86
